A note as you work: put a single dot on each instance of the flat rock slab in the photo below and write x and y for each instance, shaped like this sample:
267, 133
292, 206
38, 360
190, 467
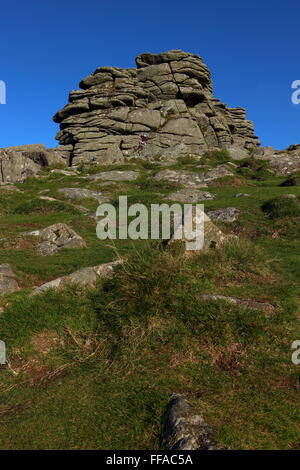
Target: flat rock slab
242, 195
190, 196
184, 178
85, 277
194, 180
82, 193
8, 281
115, 175
262, 306
228, 214
58, 171
56, 237
184, 429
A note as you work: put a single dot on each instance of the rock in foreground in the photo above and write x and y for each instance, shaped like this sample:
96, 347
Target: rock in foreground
185, 430
85, 277
56, 237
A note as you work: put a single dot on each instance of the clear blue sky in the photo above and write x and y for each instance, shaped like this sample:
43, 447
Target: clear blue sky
48, 46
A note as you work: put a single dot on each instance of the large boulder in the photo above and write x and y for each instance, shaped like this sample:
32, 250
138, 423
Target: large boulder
55, 238
212, 236
15, 167
18, 163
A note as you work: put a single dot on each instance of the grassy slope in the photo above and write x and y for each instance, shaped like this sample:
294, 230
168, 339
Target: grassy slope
95, 369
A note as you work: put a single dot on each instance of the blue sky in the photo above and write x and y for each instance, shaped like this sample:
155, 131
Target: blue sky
48, 46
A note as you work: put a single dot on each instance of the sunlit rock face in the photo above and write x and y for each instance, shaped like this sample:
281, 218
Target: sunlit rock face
168, 97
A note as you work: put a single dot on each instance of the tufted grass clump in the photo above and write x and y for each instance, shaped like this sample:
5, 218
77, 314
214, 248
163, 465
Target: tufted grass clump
280, 207
254, 169
293, 180
40, 206
216, 157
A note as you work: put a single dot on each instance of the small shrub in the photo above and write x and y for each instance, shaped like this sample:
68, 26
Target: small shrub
254, 169
292, 181
281, 207
216, 157
187, 160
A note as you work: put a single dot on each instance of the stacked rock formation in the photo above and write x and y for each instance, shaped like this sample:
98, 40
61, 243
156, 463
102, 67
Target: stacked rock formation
169, 96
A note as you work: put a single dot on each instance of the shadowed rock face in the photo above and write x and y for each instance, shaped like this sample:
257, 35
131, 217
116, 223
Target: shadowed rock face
169, 97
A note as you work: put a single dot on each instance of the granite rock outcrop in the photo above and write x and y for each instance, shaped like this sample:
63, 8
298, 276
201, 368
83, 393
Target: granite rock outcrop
169, 97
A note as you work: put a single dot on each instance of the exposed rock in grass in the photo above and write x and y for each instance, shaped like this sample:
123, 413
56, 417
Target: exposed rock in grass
285, 165
242, 195
288, 196
58, 171
213, 237
228, 214
55, 238
8, 281
82, 193
184, 178
194, 180
260, 305
220, 171
184, 429
115, 175
85, 277
189, 196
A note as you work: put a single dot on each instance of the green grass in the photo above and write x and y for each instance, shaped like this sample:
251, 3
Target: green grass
95, 368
